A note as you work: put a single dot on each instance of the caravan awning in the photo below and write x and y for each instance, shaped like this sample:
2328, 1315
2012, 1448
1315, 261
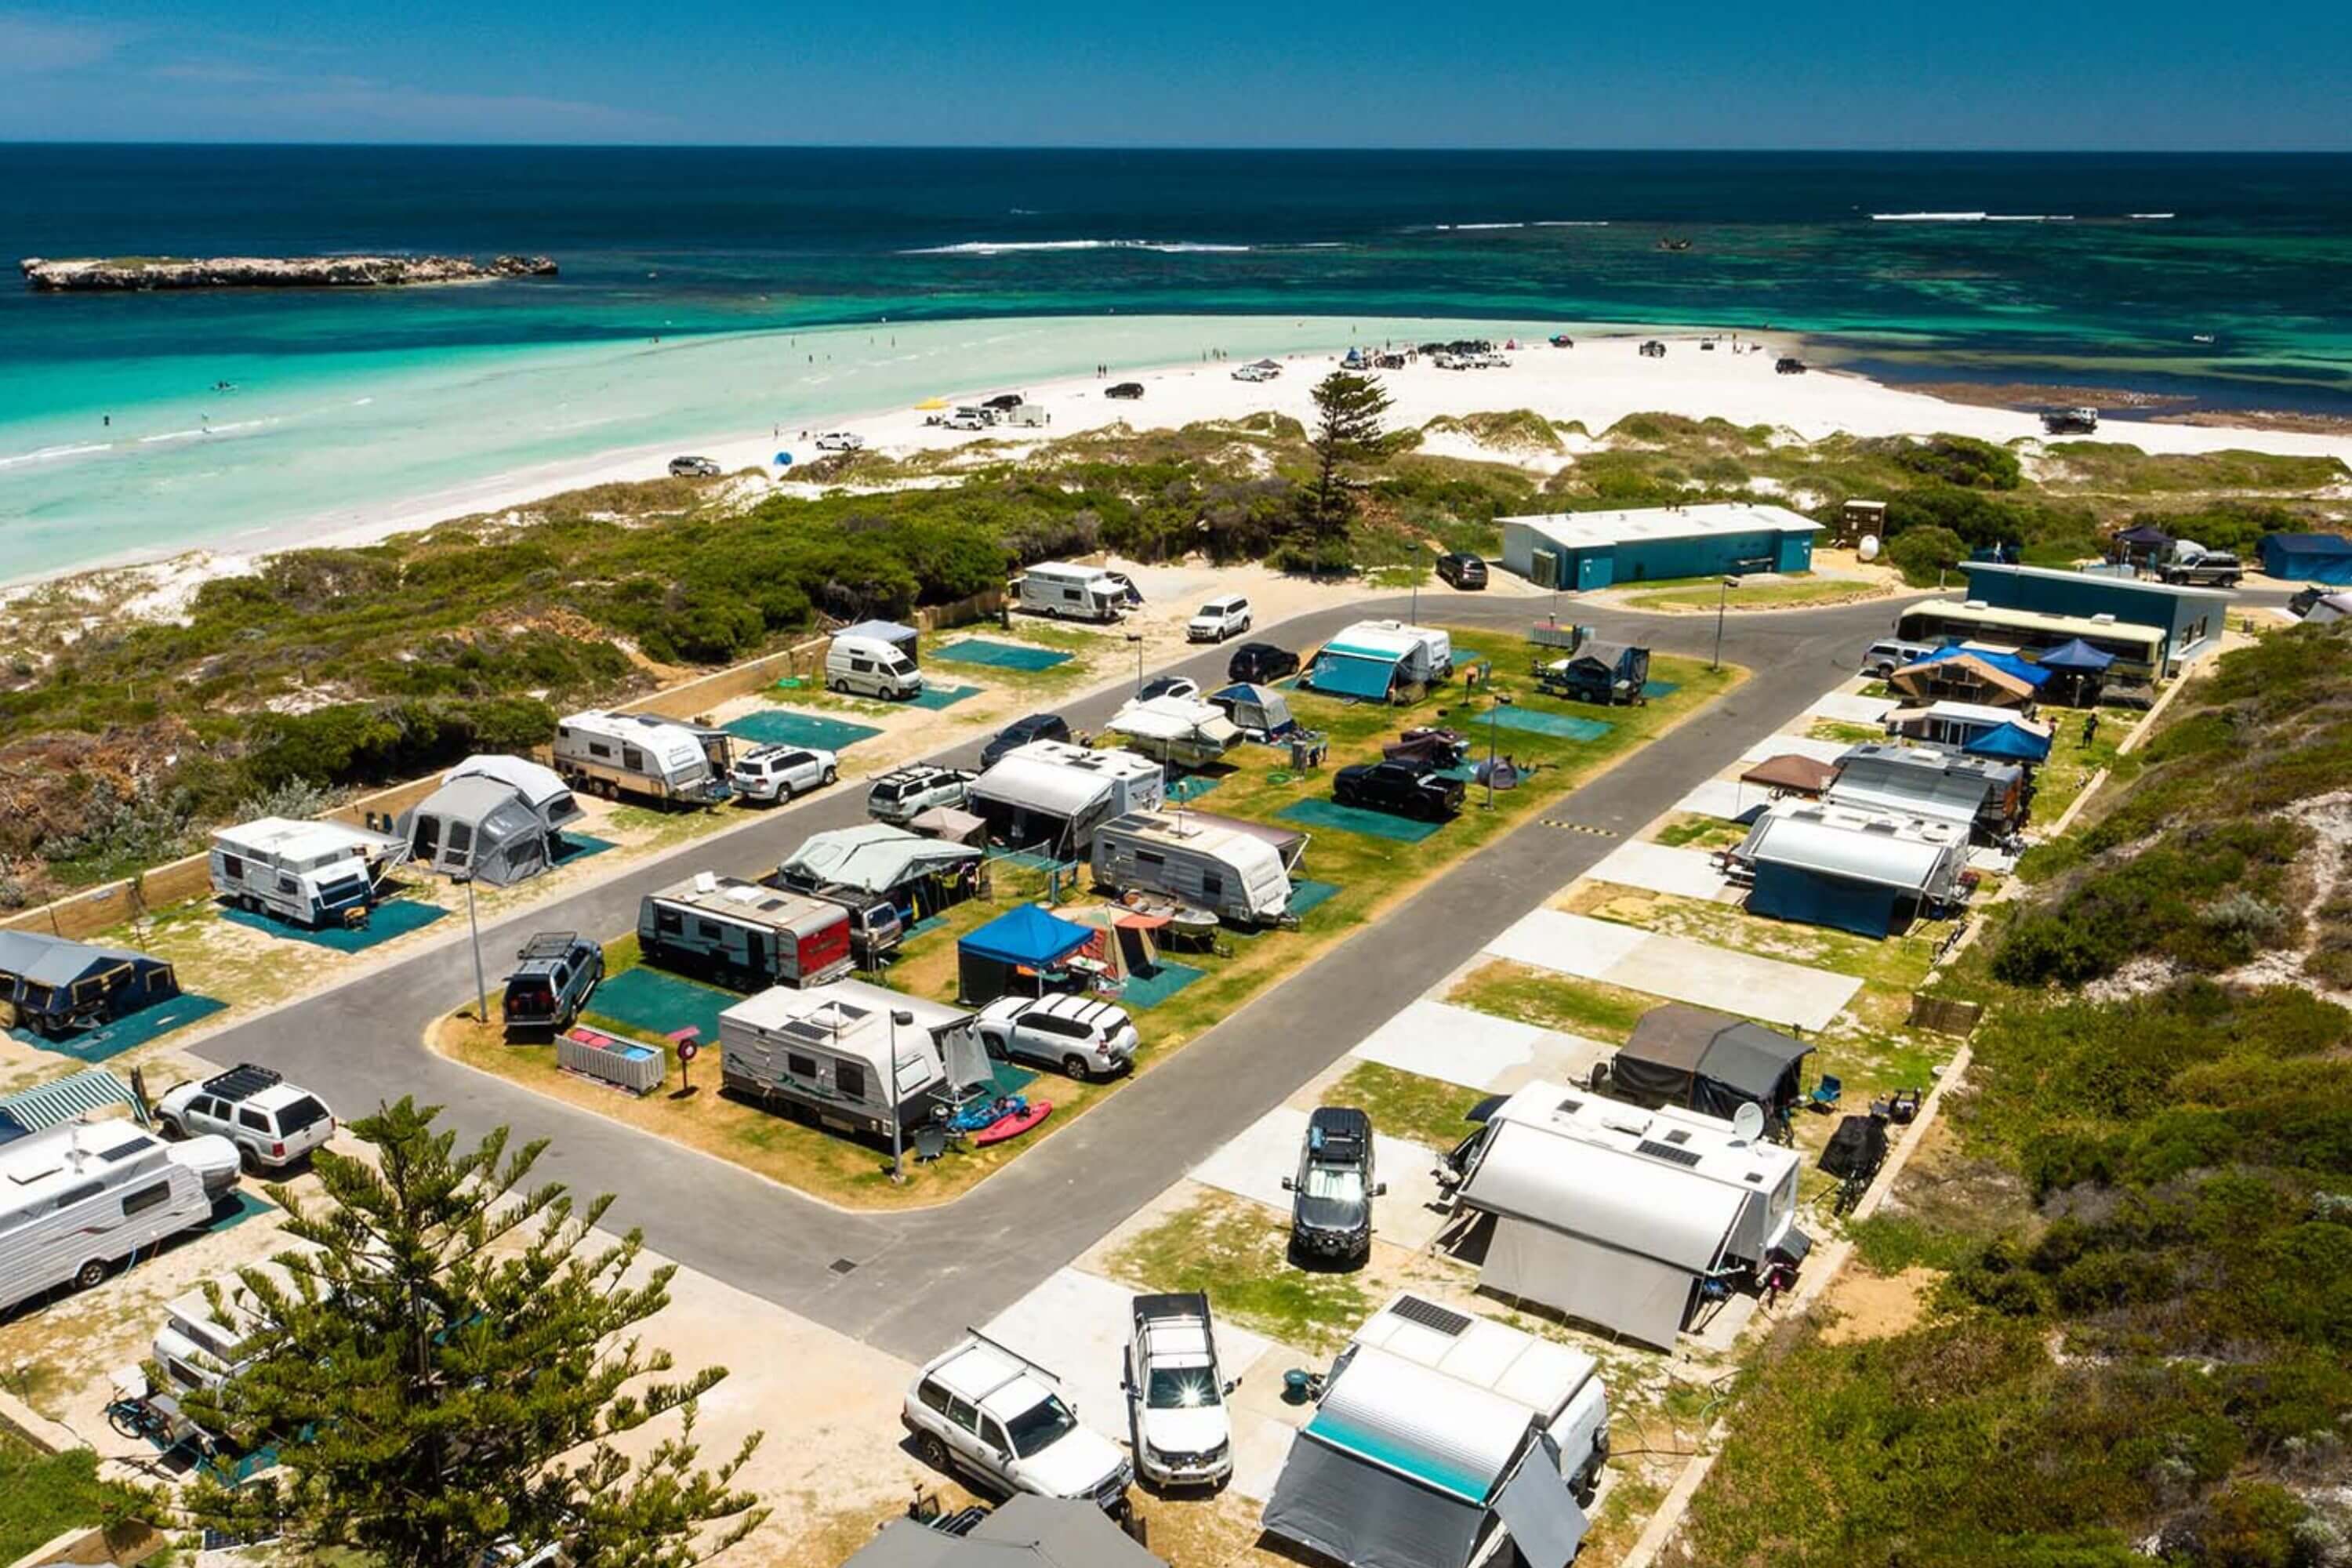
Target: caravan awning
1630, 1203
1341, 674
66, 1100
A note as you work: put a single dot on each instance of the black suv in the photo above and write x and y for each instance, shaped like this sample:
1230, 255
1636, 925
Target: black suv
1259, 662
1404, 788
1020, 732
1462, 569
1331, 1196
1125, 389
554, 974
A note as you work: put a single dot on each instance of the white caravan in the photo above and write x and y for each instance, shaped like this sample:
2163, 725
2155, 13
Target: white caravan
1058, 589
312, 873
636, 754
1200, 860
78, 1199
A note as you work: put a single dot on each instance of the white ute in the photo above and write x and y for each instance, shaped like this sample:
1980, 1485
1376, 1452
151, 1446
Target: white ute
1176, 1393
999, 1417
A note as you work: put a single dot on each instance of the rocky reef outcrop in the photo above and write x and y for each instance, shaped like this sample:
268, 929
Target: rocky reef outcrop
128, 273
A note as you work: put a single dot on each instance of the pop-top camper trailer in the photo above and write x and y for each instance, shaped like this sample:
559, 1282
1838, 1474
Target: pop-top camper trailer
312, 873
635, 754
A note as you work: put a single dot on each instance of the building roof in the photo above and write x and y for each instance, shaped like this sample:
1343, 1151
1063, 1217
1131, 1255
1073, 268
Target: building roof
46, 960
1964, 713
2123, 584
1591, 530
1025, 1531
1791, 771
1029, 934
874, 856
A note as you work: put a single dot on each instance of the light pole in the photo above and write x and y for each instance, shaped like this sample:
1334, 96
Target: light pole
1502, 701
897, 1168
1722, 598
1135, 640
481, 986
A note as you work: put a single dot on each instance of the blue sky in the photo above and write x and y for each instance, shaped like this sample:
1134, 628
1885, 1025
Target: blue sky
2074, 74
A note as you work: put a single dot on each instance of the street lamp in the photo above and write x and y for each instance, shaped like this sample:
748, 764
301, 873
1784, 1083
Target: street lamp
481, 986
1722, 598
1135, 640
897, 1168
1502, 701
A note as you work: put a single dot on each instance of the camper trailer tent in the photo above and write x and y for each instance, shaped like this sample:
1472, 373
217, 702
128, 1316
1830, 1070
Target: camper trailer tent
918, 874
481, 827
1597, 549
1176, 730
1403, 1467
50, 986
1967, 674
2308, 558
1260, 713
824, 1054
543, 789
1009, 955
1869, 874
1709, 1062
1616, 1214
1049, 797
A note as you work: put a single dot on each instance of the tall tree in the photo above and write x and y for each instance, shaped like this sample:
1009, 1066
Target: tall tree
446, 1364
1347, 431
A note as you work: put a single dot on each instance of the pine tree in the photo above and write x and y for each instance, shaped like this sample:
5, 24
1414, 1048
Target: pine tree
1347, 431
446, 1364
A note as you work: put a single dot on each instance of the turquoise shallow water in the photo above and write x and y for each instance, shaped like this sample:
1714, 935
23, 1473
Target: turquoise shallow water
786, 285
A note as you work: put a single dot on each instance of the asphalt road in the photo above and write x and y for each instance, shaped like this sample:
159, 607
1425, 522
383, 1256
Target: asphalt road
907, 1282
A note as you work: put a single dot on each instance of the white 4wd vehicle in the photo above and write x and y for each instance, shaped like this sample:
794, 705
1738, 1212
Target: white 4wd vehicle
1176, 1393
271, 1121
904, 794
1084, 1037
1219, 618
778, 773
999, 1417
840, 441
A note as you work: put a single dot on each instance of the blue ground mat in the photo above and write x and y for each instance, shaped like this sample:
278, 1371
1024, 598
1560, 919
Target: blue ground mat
938, 697
658, 1004
1165, 980
574, 846
387, 921
1538, 723
999, 655
1356, 819
1659, 688
1305, 895
1192, 787
124, 1034
775, 726
236, 1208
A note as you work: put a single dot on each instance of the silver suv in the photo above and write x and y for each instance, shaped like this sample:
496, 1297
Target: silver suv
1084, 1037
272, 1122
904, 794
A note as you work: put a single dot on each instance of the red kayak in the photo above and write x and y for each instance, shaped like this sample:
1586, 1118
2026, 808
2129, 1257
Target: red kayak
1011, 1127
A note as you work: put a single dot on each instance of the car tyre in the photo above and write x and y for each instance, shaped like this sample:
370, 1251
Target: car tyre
92, 1274
934, 1453
172, 1128
831, 775
784, 792
1075, 1068
247, 1161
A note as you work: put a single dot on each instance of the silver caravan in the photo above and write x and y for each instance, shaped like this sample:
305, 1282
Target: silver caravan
77, 1200
312, 873
1051, 795
1199, 860
824, 1054
636, 754
1065, 592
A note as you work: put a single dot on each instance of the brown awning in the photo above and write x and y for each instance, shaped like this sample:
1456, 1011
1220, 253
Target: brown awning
1788, 771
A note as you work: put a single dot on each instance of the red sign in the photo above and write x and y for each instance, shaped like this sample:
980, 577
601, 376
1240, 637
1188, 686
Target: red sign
687, 1050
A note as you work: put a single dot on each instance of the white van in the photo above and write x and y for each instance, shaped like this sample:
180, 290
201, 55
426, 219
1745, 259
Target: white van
870, 666
1058, 589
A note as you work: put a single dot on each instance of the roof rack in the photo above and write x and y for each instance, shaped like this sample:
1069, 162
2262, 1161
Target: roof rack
243, 1081
548, 945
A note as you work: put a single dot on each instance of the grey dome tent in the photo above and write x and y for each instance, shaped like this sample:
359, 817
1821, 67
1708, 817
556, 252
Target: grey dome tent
478, 825
541, 788
1709, 1061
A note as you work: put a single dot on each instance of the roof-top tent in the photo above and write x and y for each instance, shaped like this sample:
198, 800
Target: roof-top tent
479, 827
1024, 1531
1613, 1213
52, 985
1027, 937
902, 637
1709, 1061
2325, 558
1403, 1467
1258, 711
541, 788
1863, 872
914, 872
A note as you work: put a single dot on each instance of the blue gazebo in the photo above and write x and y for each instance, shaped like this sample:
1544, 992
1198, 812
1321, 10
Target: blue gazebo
2008, 743
1030, 937
2084, 666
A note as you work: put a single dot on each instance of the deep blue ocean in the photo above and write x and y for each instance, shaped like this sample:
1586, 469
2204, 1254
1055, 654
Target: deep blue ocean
2099, 269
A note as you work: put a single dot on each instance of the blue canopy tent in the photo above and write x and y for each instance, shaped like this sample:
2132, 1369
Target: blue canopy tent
2033, 675
1029, 937
2083, 667
2009, 743
2325, 558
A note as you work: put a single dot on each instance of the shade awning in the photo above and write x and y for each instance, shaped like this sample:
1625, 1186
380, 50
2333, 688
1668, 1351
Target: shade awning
1353, 675
66, 1100
1028, 935
2077, 656
1791, 771
2010, 741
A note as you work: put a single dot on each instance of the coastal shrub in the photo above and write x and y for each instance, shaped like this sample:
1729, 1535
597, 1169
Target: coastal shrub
2236, 526
1924, 554
1962, 461
380, 743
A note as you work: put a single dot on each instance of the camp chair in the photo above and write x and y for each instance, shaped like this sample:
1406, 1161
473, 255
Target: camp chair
1827, 1093
931, 1142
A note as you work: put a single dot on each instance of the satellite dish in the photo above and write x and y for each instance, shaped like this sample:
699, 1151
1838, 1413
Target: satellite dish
1869, 547
1747, 1121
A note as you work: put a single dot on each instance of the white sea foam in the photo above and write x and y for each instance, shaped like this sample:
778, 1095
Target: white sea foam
999, 246
1466, 228
51, 454
1572, 223
1927, 218
2147, 218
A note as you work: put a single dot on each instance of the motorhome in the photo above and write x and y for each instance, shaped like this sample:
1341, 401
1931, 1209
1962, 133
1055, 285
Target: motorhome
77, 1199
1199, 860
1052, 795
1058, 589
824, 1054
874, 658
312, 873
1179, 729
744, 933
614, 754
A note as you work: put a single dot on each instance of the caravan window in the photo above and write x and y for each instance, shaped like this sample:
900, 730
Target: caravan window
709, 931
1149, 858
233, 868
799, 1065
1212, 886
599, 749
633, 758
146, 1198
849, 1078
1071, 594
285, 885
669, 922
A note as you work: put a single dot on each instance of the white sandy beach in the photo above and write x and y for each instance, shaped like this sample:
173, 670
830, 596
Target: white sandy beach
1601, 380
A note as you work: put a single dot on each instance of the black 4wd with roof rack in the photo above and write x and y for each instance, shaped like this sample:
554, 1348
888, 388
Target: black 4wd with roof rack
554, 974
272, 1122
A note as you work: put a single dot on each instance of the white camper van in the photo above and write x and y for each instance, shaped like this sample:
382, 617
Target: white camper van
312, 873
859, 664
1071, 593
78, 1199
1199, 860
636, 754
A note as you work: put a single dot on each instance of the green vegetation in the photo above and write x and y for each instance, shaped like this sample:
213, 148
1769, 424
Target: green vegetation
1240, 1254
1511, 430
2142, 1327
1705, 592
1592, 1008
1428, 1111
44, 1495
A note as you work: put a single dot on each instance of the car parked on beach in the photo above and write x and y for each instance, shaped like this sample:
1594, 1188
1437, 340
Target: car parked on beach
1462, 569
1401, 788
1260, 662
693, 469
1003, 402
1128, 390
272, 1122
777, 773
840, 441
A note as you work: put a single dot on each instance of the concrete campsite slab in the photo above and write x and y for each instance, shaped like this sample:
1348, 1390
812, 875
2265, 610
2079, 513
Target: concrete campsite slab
1453, 1045
1677, 968
1254, 1164
1660, 868
1796, 745
1852, 708
1726, 798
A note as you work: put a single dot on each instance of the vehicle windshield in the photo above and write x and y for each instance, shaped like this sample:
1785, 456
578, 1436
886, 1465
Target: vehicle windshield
902, 665
1338, 1183
1039, 1426
1191, 1389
